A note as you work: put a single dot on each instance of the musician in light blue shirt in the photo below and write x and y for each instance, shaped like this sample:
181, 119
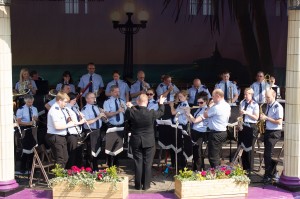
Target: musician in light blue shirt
27, 115
152, 104
260, 87
123, 87
182, 108
195, 90
97, 85
138, 87
167, 89
228, 87
66, 79
198, 131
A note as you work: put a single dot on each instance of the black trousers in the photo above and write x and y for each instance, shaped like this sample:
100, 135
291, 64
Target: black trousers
58, 145
271, 137
143, 158
247, 137
215, 141
74, 151
198, 156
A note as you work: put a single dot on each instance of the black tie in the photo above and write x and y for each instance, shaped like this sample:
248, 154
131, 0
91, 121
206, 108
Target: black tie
245, 108
169, 95
117, 108
260, 93
198, 111
91, 86
117, 84
64, 115
269, 107
141, 86
30, 113
225, 92
95, 114
77, 115
195, 100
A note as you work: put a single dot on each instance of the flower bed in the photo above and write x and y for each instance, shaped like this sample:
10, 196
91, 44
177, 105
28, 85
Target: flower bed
221, 182
83, 183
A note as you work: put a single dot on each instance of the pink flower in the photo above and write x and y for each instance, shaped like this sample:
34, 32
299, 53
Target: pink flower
82, 169
223, 169
70, 172
227, 172
203, 173
88, 169
100, 176
75, 169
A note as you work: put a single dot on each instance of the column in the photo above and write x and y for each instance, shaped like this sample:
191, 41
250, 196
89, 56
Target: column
290, 178
8, 184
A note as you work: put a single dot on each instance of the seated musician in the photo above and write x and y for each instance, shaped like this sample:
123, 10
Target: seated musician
64, 88
114, 109
199, 131
228, 87
249, 111
93, 117
27, 117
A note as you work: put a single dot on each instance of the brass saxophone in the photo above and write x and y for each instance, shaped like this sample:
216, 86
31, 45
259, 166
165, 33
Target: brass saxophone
261, 123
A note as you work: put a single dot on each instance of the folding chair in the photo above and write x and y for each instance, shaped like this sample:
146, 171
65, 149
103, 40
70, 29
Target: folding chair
40, 162
237, 156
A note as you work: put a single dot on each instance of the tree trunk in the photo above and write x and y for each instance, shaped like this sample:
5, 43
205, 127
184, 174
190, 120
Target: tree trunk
247, 36
262, 32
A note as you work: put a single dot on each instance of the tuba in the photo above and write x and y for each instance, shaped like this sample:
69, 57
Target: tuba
261, 123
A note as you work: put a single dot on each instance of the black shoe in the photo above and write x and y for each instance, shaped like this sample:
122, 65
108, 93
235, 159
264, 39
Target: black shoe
266, 179
137, 187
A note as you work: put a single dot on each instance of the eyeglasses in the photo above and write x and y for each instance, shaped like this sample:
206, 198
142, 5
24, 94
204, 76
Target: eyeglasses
259, 76
200, 102
149, 94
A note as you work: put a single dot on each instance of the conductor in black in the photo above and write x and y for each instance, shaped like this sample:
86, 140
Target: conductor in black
142, 138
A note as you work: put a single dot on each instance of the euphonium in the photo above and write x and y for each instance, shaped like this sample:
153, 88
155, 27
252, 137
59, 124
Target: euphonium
261, 123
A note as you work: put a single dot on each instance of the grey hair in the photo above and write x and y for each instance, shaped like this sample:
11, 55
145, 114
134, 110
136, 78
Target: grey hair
28, 98
113, 87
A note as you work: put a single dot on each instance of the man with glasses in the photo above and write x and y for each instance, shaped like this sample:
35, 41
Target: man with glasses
57, 126
260, 87
139, 86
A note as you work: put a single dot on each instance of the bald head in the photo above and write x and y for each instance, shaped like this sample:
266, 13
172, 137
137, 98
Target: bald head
142, 100
196, 83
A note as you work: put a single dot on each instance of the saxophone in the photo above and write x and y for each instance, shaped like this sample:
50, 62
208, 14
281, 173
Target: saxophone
261, 123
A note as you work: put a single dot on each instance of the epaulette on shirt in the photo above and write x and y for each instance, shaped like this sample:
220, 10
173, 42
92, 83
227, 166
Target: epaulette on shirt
56, 108
154, 102
84, 108
276, 106
203, 86
21, 107
183, 105
161, 85
134, 82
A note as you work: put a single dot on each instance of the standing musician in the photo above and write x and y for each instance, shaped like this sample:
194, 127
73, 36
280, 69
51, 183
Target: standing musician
27, 117
228, 87
73, 133
180, 115
57, 126
97, 85
249, 114
93, 117
114, 109
199, 131
218, 115
123, 87
152, 103
195, 90
142, 138
273, 117
260, 87
139, 86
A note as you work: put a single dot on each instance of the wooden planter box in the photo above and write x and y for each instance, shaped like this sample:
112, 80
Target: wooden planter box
210, 189
102, 190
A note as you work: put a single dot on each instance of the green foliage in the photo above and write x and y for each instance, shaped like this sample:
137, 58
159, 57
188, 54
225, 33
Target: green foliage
58, 171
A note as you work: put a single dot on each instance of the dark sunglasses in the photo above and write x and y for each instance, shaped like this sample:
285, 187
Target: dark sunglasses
200, 102
149, 94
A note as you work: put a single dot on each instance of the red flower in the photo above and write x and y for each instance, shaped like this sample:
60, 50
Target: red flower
227, 172
75, 169
82, 169
203, 173
100, 176
70, 172
88, 169
223, 169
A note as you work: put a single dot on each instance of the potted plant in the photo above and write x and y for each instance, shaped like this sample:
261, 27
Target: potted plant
219, 182
84, 183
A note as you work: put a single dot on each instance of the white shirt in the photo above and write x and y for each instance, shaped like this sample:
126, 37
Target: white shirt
218, 116
56, 115
275, 111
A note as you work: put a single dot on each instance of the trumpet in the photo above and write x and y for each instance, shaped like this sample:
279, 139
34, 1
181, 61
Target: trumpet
267, 78
230, 94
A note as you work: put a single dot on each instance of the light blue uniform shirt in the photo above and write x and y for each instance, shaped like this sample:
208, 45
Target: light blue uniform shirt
88, 113
152, 105
255, 86
23, 113
58, 87
74, 116
162, 87
123, 87
32, 82
200, 126
252, 108
218, 116
192, 92
230, 86
85, 80
110, 106
182, 119
274, 111
136, 88
56, 115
